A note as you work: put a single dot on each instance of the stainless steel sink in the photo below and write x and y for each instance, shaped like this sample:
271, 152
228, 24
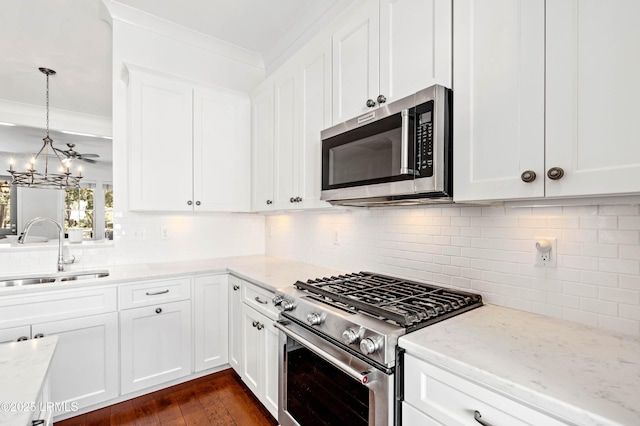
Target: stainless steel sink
26, 281
84, 276
67, 276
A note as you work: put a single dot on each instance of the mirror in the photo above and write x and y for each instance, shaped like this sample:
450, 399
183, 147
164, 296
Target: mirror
86, 208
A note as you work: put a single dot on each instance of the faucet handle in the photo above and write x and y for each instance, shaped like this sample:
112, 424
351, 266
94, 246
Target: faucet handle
21, 238
69, 261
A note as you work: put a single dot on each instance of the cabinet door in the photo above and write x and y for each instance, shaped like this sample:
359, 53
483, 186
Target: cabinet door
156, 345
211, 331
314, 105
262, 137
160, 144
84, 369
221, 151
498, 89
415, 46
13, 334
356, 62
253, 344
593, 96
235, 323
286, 164
271, 364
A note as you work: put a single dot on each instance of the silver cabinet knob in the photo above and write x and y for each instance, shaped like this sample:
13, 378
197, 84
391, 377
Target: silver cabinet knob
292, 200
555, 173
298, 199
528, 176
368, 346
381, 99
158, 310
197, 203
38, 336
349, 336
478, 418
260, 326
22, 339
314, 318
189, 202
254, 323
236, 287
371, 103
269, 202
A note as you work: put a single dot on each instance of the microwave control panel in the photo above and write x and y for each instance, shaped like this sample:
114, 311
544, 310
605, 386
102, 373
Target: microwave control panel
424, 139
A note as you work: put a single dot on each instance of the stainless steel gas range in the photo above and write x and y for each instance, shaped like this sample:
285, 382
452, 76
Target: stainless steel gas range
339, 361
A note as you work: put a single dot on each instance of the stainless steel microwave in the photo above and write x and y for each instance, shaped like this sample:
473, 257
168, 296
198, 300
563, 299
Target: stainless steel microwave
399, 154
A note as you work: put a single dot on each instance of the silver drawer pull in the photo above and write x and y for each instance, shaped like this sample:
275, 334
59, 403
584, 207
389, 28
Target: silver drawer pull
157, 293
478, 417
264, 302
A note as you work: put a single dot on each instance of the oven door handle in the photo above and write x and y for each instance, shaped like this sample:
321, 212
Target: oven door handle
365, 378
404, 144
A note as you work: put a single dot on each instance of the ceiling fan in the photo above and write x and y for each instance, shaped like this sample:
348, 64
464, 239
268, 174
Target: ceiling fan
75, 155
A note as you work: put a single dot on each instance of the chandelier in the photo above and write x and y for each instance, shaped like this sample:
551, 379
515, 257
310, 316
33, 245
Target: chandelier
51, 178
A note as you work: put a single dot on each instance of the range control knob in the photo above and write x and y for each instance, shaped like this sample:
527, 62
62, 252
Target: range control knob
314, 318
349, 336
287, 305
277, 300
368, 346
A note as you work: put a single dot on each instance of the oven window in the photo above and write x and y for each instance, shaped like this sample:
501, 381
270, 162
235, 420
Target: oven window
370, 158
320, 394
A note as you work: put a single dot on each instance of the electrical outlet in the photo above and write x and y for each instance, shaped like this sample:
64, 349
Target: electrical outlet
138, 234
336, 238
546, 252
164, 233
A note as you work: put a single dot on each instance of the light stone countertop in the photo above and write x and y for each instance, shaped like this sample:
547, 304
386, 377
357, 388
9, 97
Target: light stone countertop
588, 375
585, 375
265, 271
23, 369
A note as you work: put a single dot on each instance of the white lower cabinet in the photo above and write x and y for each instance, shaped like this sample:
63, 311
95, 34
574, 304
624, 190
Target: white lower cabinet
441, 397
155, 344
260, 346
235, 320
211, 317
84, 368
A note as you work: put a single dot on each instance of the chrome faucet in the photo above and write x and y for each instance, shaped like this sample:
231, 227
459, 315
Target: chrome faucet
61, 260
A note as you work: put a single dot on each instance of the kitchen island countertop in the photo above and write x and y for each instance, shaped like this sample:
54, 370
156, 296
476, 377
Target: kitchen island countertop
585, 375
23, 369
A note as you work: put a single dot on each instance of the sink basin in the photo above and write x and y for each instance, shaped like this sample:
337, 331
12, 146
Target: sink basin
85, 276
65, 276
26, 281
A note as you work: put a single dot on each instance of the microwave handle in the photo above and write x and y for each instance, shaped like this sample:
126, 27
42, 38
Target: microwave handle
404, 148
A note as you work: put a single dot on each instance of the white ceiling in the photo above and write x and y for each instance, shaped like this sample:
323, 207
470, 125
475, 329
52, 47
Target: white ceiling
69, 37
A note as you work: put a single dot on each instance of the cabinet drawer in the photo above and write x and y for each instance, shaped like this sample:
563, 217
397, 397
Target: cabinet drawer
453, 400
154, 292
55, 305
413, 417
259, 299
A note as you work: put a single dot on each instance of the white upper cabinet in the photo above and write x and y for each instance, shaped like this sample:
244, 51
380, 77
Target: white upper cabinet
356, 62
198, 136
314, 106
593, 96
262, 159
289, 111
415, 46
389, 49
498, 89
546, 96
221, 150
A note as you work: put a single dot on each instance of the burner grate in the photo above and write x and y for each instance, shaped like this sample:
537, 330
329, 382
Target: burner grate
404, 302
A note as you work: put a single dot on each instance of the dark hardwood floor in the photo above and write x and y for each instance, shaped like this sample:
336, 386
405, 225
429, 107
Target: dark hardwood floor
216, 399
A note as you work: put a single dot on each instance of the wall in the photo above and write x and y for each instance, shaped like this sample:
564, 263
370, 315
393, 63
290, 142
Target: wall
488, 250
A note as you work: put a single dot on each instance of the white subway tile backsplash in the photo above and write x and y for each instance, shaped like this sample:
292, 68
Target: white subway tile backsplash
490, 250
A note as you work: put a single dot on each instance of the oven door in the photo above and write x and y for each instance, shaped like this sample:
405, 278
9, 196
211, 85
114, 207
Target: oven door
374, 159
322, 384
